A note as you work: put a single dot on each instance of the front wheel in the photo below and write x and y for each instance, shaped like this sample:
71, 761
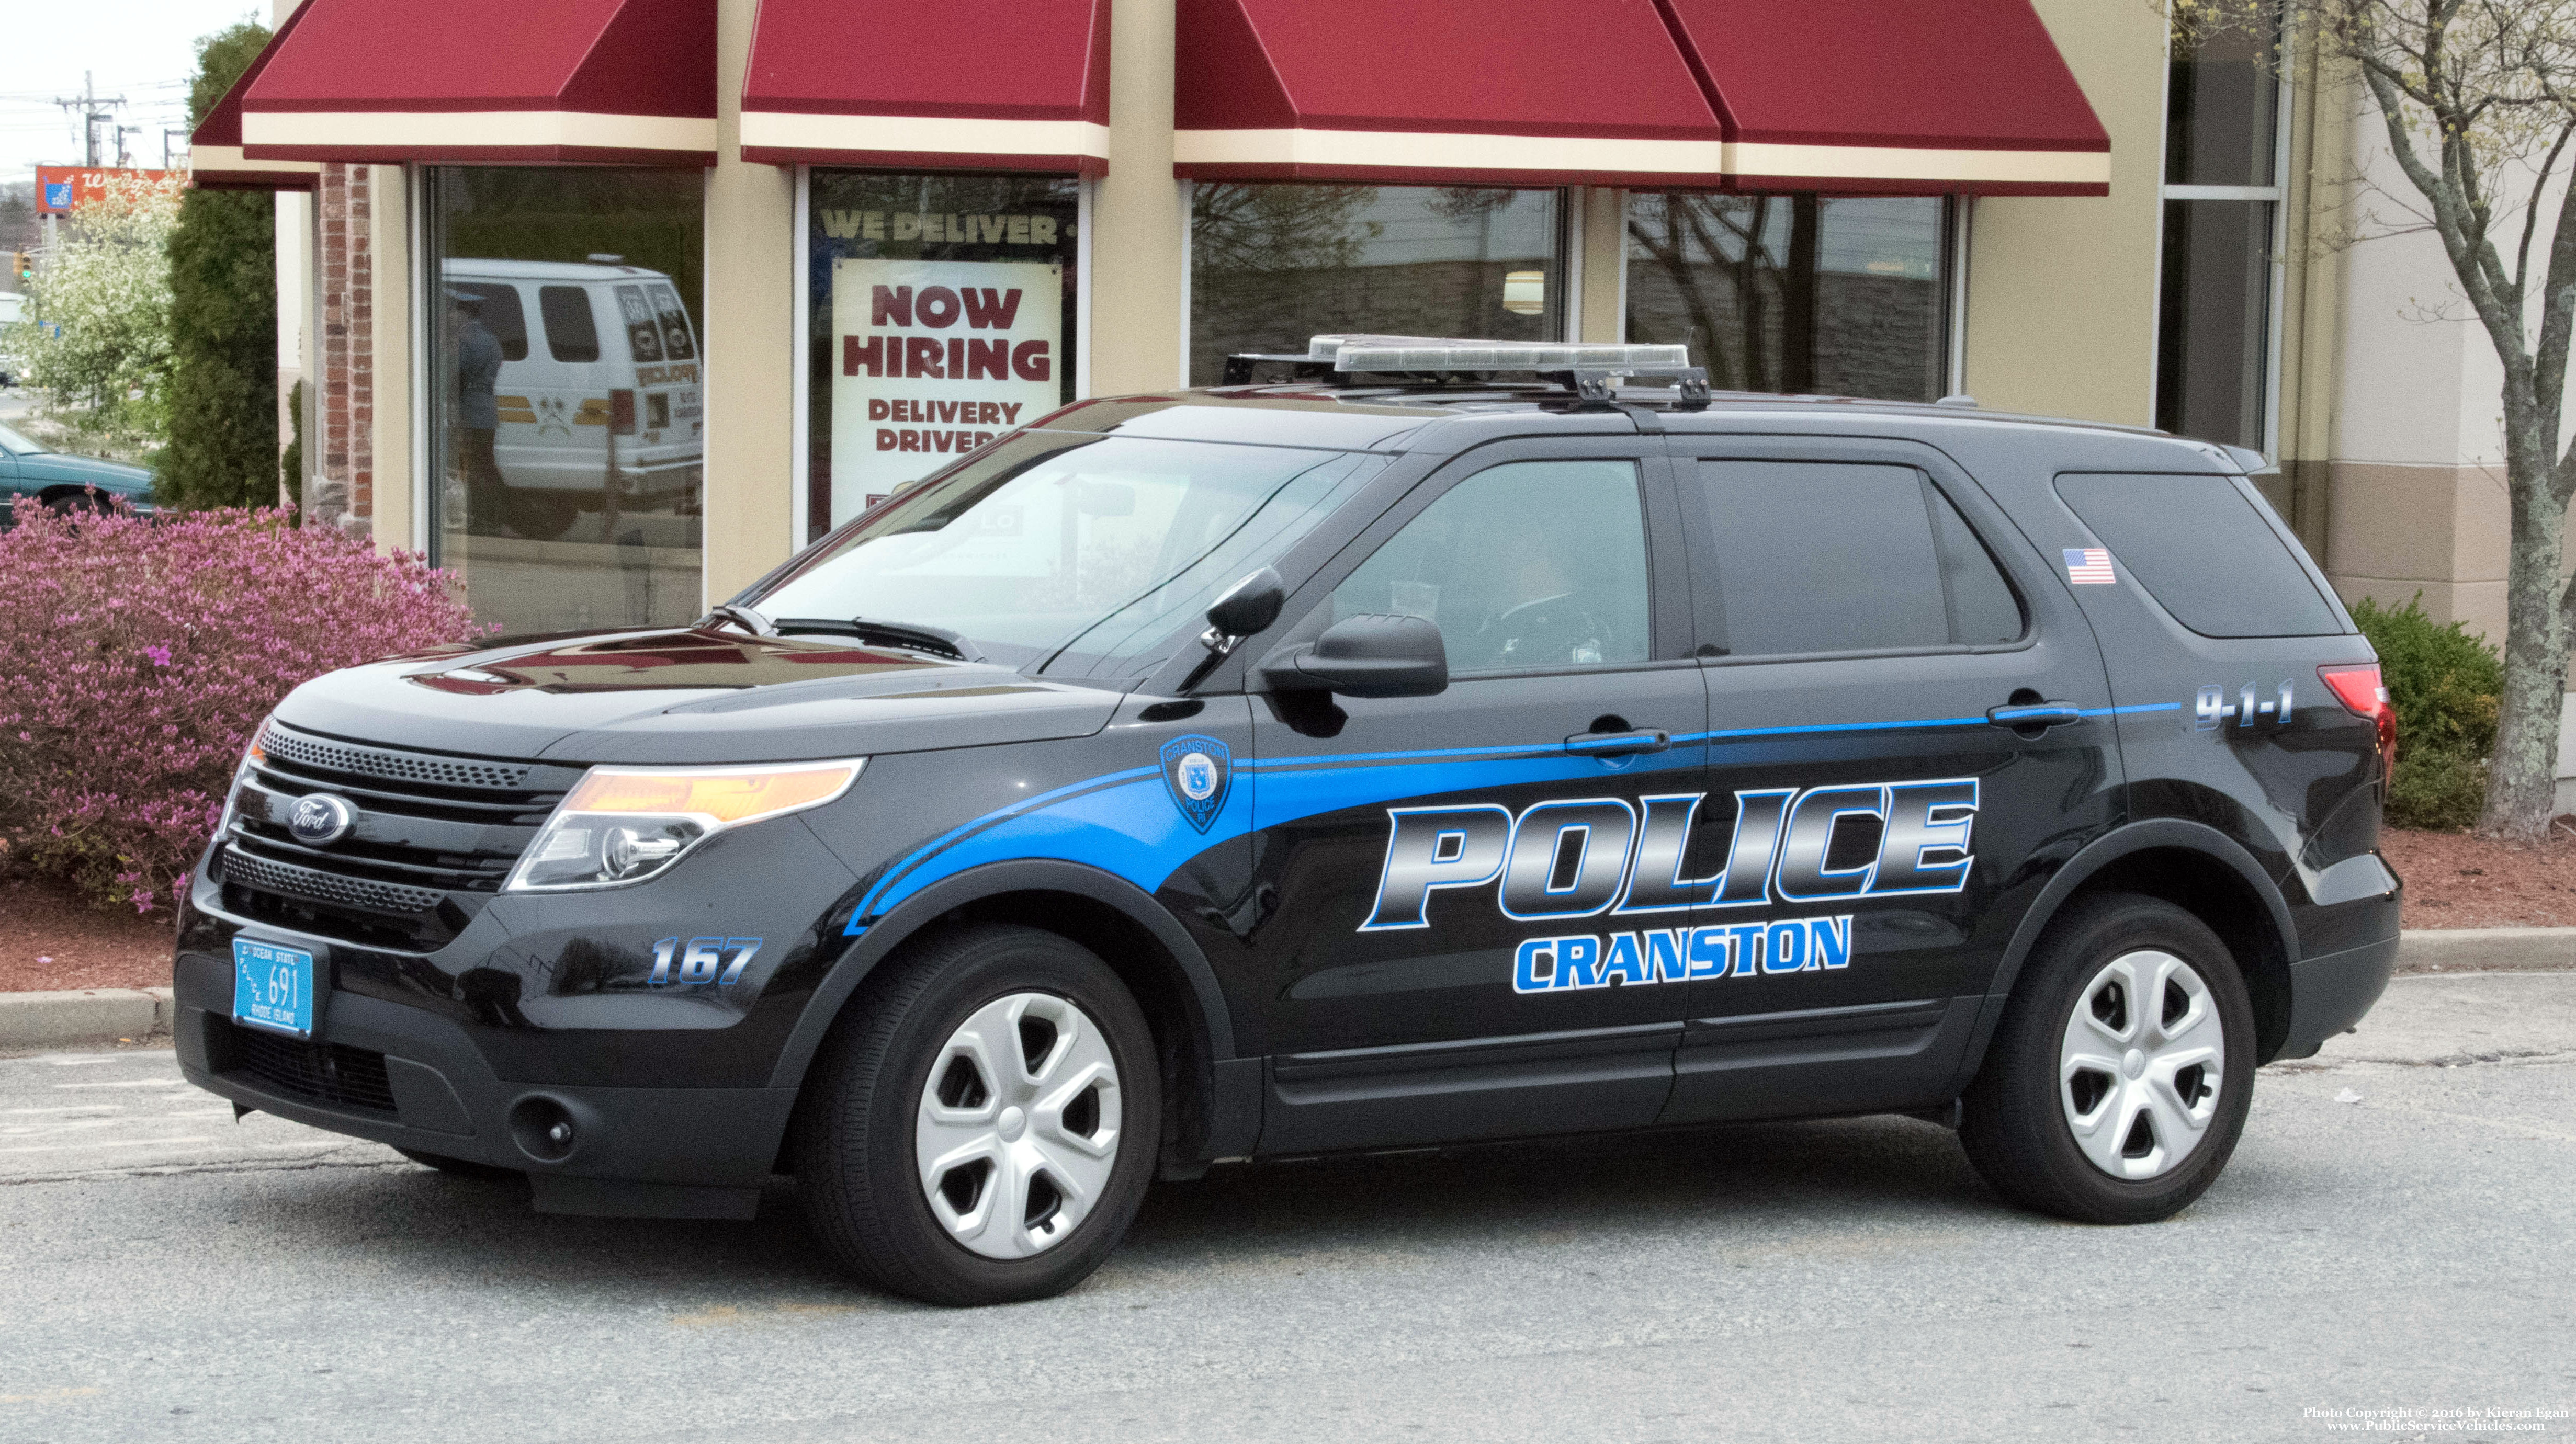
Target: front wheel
982, 1125
2121, 1074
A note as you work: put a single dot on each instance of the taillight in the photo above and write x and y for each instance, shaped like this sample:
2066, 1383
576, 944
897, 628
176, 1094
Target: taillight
2364, 695
621, 412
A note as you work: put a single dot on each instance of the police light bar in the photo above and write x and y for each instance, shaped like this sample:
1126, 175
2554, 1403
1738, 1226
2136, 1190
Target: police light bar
1436, 354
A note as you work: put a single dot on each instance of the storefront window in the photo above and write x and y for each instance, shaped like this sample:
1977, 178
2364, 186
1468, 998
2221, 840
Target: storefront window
566, 416
939, 314
2221, 199
1272, 266
1795, 293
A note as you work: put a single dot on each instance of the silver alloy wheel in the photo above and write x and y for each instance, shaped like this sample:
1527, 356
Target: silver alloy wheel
1019, 1124
2139, 1069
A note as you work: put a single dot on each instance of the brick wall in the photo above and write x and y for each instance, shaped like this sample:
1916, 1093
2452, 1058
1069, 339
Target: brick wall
342, 491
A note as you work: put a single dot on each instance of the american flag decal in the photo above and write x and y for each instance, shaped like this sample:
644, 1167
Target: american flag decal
2089, 566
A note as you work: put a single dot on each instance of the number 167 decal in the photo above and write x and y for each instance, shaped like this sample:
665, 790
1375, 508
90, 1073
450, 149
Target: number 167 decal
703, 960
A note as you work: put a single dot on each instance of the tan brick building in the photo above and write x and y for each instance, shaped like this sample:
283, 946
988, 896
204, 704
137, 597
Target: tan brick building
2035, 202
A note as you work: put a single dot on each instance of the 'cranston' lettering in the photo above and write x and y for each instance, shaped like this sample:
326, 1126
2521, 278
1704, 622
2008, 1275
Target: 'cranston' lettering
1580, 857
1676, 955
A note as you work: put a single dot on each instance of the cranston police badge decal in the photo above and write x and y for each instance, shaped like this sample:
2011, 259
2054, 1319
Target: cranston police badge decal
1198, 771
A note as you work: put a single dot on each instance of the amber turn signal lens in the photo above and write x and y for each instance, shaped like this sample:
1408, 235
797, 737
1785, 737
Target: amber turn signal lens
728, 797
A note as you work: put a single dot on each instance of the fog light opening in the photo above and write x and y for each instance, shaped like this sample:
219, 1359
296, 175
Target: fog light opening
544, 1129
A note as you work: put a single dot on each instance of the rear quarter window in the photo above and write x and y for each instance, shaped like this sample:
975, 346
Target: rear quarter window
2200, 547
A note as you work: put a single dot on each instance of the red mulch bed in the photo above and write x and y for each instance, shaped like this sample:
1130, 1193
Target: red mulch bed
50, 939
2454, 880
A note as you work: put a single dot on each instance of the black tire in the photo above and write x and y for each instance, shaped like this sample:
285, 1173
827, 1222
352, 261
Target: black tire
460, 1167
2016, 1123
77, 503
857, 1169
539, 515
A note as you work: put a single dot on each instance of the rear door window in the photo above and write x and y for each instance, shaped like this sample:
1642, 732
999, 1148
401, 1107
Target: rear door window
677, 344
1813, 557
2203, 551
571, 334
643, 329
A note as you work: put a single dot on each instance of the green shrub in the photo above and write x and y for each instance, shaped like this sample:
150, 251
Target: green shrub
223, 321
2446, 686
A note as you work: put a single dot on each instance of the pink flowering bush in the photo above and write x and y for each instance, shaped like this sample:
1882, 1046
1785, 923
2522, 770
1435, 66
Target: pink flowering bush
136, 657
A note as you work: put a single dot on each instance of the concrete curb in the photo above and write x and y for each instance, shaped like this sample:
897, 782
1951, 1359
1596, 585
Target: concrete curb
82, 1016
2460, 950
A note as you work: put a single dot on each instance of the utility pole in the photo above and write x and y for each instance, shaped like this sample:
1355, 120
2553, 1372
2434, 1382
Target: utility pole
168, 131
88, 105
122, 132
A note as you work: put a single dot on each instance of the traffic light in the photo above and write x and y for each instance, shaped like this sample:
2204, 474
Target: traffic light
22, 267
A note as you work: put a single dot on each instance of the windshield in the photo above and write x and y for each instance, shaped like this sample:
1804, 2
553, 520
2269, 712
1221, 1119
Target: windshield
1079, 554
17, 445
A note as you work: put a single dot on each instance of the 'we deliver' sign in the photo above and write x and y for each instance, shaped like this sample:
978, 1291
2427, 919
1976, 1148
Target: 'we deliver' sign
935, 358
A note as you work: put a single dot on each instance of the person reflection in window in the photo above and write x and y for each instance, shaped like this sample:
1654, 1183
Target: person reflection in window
1543, 622
478, 415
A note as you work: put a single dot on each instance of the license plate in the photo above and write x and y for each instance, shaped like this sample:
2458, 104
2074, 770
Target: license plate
273, 987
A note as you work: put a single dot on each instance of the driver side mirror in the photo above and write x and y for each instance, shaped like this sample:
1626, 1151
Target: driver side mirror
1365, 656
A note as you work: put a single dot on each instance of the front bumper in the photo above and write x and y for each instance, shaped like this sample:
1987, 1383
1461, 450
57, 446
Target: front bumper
406, 1077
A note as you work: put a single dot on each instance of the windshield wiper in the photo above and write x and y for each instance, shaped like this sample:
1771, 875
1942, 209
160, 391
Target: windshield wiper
741, 616
913, 636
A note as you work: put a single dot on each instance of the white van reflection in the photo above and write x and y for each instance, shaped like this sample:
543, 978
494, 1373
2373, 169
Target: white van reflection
593, 404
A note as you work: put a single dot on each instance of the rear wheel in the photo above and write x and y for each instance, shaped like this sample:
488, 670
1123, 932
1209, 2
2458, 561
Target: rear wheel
983, 1124
2121, 1074
460, 1167
539, 515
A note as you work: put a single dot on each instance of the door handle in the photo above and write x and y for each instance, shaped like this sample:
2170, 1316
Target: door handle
1618, 744
2035, 714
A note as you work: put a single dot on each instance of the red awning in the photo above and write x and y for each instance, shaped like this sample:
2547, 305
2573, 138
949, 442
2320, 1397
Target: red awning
215, 160
1446, 92
1892, 97
529, 81
984, 85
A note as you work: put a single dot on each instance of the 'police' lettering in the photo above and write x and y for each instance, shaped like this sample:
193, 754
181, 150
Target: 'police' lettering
1578, 857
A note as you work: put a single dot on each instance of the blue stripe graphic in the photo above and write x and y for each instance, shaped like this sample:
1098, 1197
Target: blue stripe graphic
1125, 823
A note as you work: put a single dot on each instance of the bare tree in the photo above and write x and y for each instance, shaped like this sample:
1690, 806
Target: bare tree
2478, 99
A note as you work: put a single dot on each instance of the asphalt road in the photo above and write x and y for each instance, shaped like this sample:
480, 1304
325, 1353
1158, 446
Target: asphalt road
2398, 1230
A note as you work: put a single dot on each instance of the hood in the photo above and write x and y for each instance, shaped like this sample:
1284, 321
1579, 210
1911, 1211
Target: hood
688, 696
54, 467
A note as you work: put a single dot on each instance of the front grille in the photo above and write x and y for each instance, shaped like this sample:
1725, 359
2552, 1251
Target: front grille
332, 1073
435, 837
319, 756
261, 875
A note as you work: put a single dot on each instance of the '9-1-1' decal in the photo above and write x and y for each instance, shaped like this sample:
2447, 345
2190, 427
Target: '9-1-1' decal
1582, 857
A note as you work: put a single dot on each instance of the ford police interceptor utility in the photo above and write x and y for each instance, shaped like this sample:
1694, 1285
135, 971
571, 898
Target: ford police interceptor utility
1377, 757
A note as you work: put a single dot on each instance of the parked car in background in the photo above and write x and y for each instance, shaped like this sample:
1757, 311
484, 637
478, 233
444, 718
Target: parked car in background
66, 482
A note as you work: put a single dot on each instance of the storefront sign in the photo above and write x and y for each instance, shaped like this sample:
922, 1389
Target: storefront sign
935, 359
62, 189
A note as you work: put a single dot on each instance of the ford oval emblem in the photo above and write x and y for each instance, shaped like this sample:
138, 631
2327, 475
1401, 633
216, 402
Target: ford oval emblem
320, 819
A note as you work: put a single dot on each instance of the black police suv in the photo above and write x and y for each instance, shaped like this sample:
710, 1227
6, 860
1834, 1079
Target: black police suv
1377, 757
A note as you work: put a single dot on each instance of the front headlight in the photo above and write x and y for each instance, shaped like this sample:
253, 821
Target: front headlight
622, 825
252, 756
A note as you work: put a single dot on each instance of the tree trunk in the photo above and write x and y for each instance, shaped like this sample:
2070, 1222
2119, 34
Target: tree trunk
2522, 783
